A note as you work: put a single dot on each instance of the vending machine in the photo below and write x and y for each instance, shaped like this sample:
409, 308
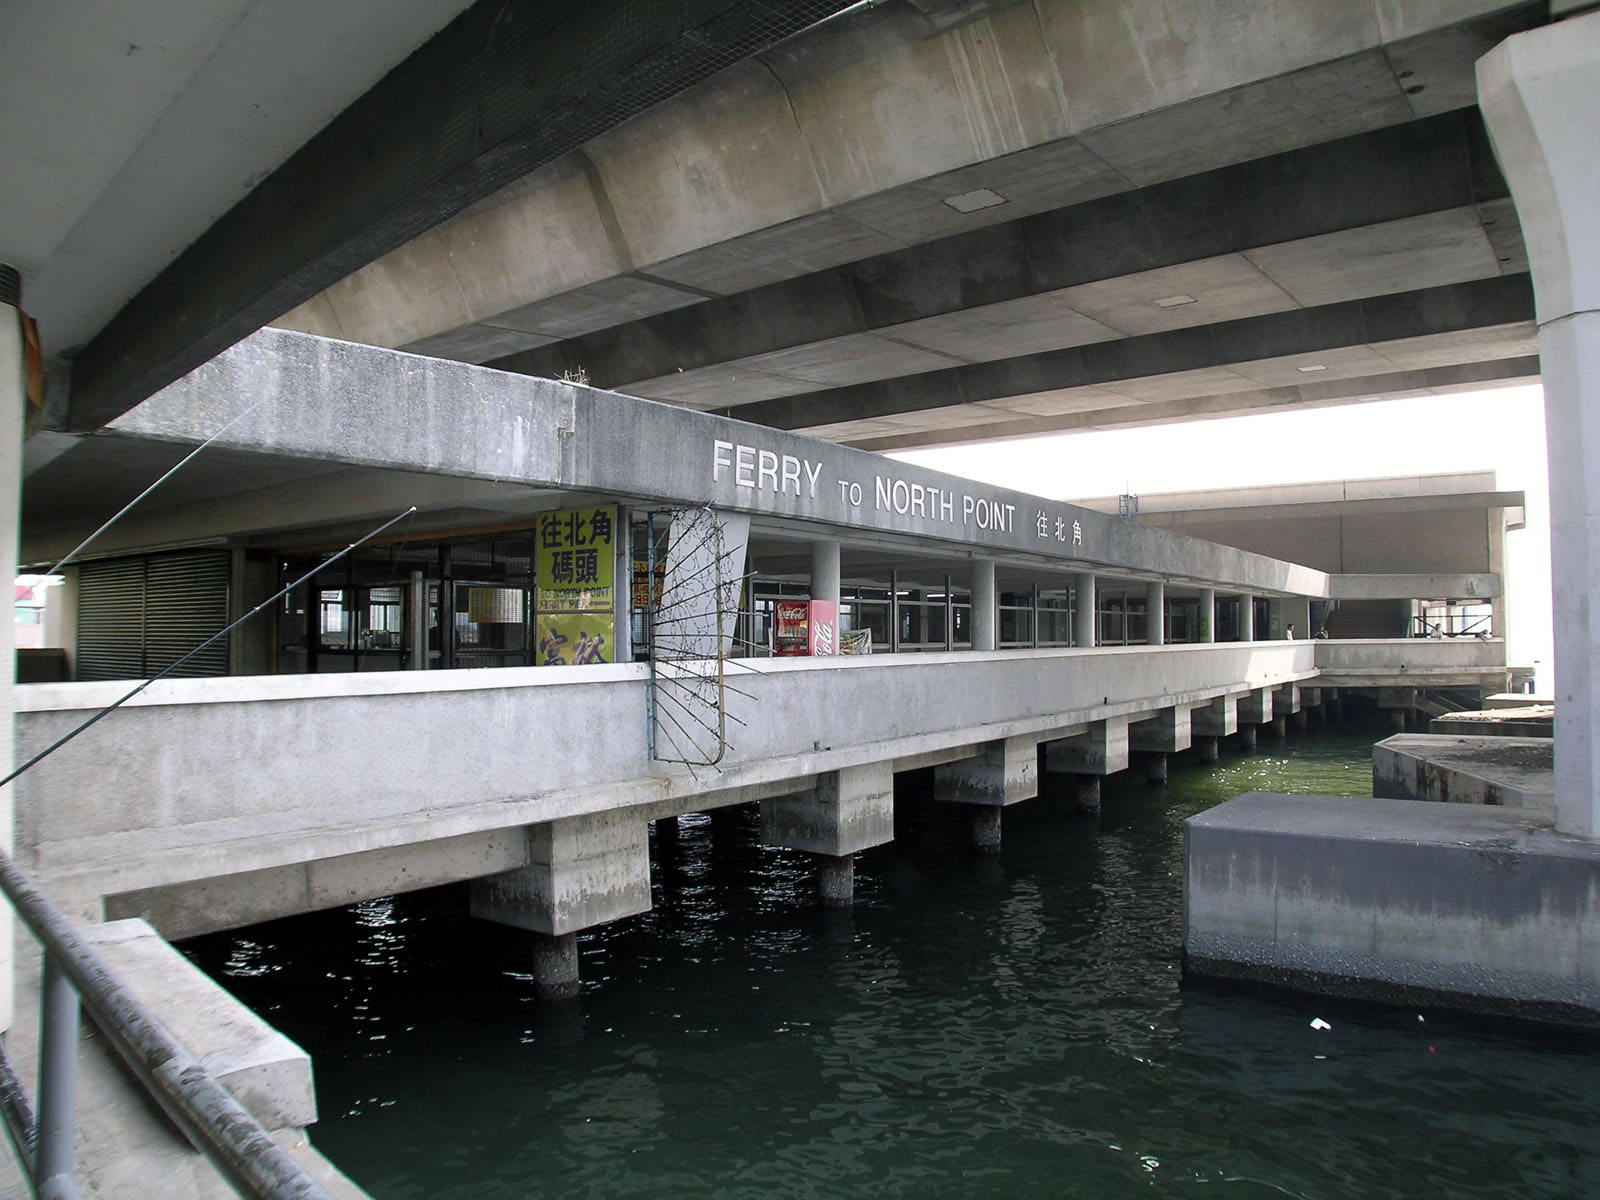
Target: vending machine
805, 627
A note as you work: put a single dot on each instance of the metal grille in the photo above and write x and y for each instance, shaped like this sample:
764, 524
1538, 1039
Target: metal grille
137, 616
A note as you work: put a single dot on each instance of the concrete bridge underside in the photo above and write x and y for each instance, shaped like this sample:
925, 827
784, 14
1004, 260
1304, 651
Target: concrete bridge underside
253, 798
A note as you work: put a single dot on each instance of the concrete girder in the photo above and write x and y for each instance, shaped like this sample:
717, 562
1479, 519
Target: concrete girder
1387, 175
1502, 303
1286, 701
1255, 707
474, 119
1220, 718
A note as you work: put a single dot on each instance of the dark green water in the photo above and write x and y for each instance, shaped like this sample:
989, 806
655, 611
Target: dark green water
971, 1028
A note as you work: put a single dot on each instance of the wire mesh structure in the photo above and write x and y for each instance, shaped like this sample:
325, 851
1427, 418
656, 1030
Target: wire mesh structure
691, 609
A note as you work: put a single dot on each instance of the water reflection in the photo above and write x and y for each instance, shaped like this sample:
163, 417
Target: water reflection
970, 1027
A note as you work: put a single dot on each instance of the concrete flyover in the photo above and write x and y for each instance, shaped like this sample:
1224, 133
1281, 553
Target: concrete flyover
252, 798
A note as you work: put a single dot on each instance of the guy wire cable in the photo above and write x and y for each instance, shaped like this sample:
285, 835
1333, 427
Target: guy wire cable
167, 670
123, 511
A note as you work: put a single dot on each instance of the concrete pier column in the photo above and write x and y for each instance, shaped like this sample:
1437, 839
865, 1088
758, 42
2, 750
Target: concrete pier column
1247, 737
667, 829
555, 965
1084, 619
580, 872
985, 611
1155, 768
1538, 92
1088, 793
986, 830
724, 827
1279, 727
1247, 617
848, 810
1205, 749
836, 879
1208, 615
825, 570
13, 409
1298, 721
1155, 613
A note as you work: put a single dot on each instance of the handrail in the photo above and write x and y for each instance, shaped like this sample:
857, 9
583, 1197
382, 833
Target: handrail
243, 1152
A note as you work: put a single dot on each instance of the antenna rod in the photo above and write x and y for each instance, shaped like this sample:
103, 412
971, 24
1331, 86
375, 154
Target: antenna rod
273, 599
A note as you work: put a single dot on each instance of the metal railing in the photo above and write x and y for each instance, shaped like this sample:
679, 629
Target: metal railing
245, 1154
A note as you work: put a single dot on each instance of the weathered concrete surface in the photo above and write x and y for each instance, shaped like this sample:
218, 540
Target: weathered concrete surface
1412, 662
251, 788
1467, 907
1508, 771
1518, 700
1530, 720
124, 1145
849, 810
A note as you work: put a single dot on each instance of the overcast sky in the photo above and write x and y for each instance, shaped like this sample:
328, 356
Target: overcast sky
1500, 430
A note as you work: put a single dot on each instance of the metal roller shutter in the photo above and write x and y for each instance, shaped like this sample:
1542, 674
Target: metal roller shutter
136, 616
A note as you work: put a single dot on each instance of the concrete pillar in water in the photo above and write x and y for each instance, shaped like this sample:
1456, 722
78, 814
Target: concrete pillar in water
724, 827
1208, 615
555, 965
1001, 773
1397, 719
848, 810
985, 614
1247, 617
1247, 737
1155, 613
581, 872
1088, 793
825, 570
836, 879
1538, 91
1299, 721
1279, 727
1083, 610
986, 830
1155, 768
13, 409
1205, 749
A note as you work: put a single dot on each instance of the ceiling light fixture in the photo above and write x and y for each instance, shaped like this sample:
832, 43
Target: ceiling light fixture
1313, 367
968, 202
1174, 301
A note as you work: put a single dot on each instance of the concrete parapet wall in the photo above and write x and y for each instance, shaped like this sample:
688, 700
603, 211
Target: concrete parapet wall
1412, 662
210, 778
1480, 908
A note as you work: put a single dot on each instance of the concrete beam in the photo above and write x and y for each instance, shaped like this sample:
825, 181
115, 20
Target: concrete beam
1389, 174
476, 116
1255, 706
1167, 732
1286, 700
1102, 750
849, 810
1220, 718
1482, 304
581, 872
1003, 772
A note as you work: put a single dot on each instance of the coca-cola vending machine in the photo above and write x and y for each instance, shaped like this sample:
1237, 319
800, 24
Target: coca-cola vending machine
805, 627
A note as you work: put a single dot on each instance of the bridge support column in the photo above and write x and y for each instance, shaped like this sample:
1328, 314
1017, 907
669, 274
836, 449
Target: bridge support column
1003, 772
1155, 613
1083, 610
1246, 737
581, 872
848, 810
1155, 768
555, 965
836, 880
1088, 793
1279, 727
986, 830
1534, 89
1205, 749
724, 827
1208, 615
13, 410
985, 614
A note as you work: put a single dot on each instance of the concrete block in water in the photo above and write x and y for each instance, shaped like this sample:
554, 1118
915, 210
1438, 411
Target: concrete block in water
1513, 772
1463, 906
